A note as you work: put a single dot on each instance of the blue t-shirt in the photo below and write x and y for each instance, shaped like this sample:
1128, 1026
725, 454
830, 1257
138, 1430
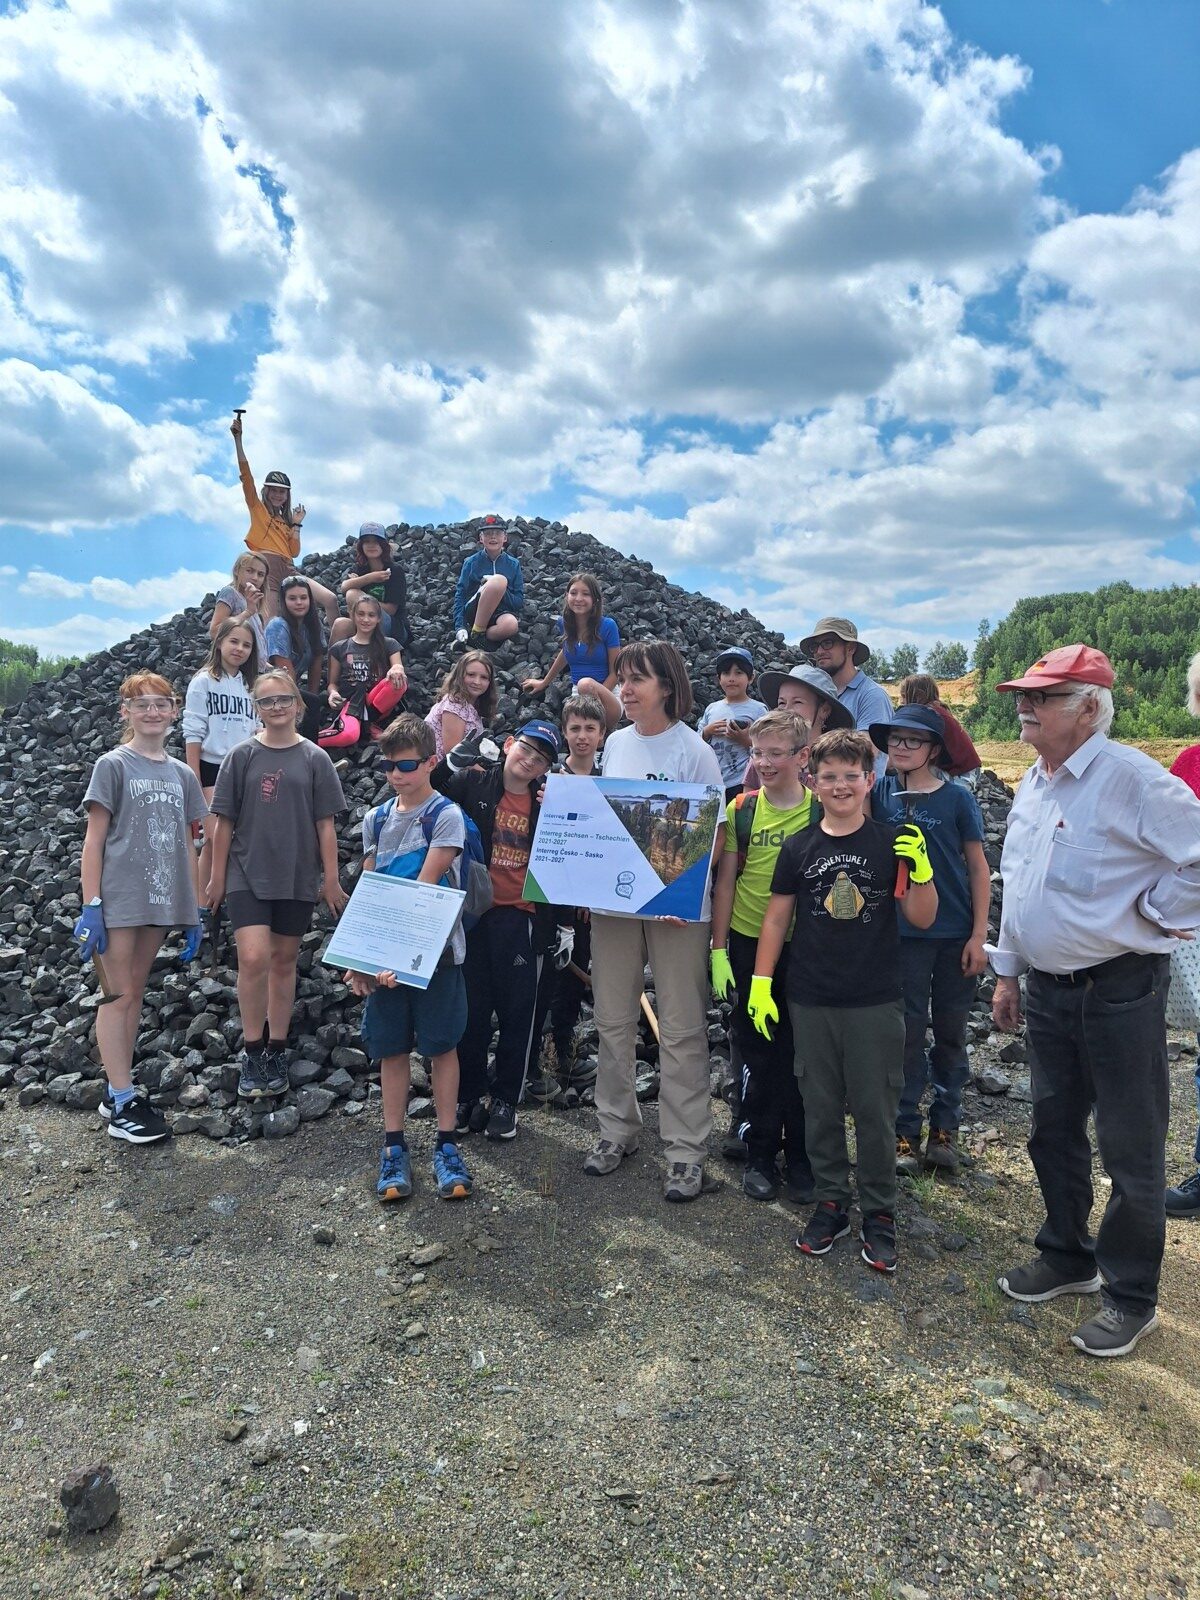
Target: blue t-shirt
591, 660
949, 818
279, 643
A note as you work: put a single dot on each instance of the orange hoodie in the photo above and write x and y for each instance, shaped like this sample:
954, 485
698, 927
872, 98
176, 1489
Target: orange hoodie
268, 535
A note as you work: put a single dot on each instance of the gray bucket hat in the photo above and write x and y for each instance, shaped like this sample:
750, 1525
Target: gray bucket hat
819, 682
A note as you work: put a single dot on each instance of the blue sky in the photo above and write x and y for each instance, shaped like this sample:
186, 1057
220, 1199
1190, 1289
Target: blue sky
856, 306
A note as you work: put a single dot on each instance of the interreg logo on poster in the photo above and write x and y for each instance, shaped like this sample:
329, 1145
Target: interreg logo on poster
638, 846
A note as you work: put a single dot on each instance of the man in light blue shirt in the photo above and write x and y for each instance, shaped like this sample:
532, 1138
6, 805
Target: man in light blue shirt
835, 647
1101, 871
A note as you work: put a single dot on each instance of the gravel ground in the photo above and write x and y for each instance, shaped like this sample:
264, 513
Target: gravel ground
588, 1392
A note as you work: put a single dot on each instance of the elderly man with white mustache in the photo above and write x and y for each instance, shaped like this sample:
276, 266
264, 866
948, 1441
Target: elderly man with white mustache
1101, 871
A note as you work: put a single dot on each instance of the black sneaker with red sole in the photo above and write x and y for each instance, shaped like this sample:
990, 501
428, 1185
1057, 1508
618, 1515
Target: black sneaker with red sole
825, 1227
878, 1235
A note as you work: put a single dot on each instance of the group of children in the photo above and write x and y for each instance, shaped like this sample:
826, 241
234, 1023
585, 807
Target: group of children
826, 933
847, 914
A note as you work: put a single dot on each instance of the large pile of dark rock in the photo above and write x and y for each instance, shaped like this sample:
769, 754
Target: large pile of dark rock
190, 1032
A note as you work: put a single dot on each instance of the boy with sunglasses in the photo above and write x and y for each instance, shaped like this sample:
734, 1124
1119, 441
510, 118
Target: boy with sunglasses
940, 965
398, 838
506, 947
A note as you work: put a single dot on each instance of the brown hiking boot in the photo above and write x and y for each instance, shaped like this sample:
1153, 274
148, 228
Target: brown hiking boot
908, 1156
941, 1151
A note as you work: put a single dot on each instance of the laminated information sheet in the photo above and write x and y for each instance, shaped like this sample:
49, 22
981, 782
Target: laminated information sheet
394, 925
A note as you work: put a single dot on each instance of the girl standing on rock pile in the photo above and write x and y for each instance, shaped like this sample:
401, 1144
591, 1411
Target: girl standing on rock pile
138, 879
274, 532
274, 851
218, 711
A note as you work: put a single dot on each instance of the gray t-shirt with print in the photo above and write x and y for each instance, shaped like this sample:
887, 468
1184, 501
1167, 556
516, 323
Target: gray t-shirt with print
403, 831
276, 797
146, 880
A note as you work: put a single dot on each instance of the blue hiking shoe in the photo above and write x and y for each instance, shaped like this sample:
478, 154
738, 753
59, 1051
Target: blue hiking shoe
449, 1169
395, 1173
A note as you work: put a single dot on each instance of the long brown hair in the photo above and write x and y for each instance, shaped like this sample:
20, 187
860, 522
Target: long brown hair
595, 616
212, 661
378, 654
454, 684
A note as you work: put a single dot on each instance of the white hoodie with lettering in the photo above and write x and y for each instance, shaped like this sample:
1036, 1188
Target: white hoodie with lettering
217, 714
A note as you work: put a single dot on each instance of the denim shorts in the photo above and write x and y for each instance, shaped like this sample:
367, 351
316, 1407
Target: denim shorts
431, 1020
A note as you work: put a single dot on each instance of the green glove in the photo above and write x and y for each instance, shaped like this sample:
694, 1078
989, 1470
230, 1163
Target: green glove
760, 1008
910, 845
721, 973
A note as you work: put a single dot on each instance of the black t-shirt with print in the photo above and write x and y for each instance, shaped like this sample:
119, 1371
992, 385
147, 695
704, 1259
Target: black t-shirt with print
358, 677
845, 950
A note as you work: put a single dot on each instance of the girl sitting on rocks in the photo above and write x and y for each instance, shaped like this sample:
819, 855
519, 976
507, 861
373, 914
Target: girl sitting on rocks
367, 680
589, 648
243, 597
377, 572
466, 702
274, 852
218, 711
296, 645
138, 879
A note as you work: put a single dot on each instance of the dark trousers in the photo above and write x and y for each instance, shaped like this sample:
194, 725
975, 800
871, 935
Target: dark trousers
1100, 1046
560, 995
501, 974
851, 1059
772, 1112
935, 993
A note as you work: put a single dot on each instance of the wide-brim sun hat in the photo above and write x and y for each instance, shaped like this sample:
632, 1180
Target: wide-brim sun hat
822, 685
845, 630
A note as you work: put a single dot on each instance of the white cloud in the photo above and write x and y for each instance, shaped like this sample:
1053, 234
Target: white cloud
707, 272
164, 595
78, 635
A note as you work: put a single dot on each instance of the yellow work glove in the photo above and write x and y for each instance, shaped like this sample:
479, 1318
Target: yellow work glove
760, 1008
721, 974
910, 847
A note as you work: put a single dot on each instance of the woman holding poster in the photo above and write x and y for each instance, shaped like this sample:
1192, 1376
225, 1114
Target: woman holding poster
655, 694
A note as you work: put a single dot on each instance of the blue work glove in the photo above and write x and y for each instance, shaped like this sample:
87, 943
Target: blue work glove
191, 943
90, 934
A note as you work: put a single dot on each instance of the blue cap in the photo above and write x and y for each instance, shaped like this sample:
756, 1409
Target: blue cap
736, 654
545, 733
909, 719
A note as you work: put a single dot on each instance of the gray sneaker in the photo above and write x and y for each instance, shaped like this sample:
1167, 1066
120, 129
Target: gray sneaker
1113, 1332
252, 1077
275, 1071
1039, 1281
606, 1156
684, 1181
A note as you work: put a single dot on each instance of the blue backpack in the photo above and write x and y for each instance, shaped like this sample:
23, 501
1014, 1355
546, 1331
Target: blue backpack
474, 878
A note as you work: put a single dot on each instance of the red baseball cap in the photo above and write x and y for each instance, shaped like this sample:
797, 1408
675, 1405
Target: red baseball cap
1070, 663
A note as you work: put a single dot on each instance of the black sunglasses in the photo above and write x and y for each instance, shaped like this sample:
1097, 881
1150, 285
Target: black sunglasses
409, 764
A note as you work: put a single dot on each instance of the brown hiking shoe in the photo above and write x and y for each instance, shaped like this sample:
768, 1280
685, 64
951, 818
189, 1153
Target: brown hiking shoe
941, 1151
908, 1156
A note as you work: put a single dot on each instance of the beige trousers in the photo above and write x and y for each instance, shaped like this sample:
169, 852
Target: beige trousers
678, 958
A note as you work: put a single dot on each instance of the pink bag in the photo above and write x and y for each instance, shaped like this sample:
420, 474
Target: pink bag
342, 733
384, 697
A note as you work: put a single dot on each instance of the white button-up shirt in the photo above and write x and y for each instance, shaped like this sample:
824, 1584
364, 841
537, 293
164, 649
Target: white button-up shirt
1100, 858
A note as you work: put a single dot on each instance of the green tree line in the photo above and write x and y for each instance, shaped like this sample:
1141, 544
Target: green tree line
20, 665
1149, 635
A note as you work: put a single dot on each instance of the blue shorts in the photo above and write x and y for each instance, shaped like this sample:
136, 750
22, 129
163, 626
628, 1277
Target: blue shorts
431, 1020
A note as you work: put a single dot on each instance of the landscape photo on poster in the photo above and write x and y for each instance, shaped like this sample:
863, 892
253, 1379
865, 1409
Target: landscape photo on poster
637, 846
